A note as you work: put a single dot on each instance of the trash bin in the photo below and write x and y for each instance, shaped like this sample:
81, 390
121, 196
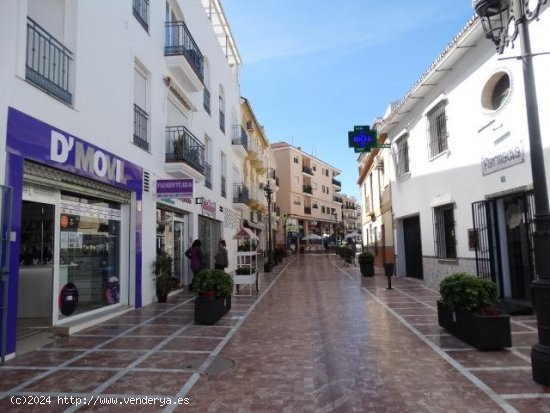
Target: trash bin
388, 269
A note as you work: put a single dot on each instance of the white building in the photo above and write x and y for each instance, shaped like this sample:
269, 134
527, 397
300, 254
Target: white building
115, 125
461, 183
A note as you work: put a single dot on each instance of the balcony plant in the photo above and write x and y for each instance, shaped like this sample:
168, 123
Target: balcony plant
164, 281
366, 264
178, 145
213, 289
468, 309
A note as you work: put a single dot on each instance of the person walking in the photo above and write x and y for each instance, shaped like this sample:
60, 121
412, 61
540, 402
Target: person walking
195, 255
221, 259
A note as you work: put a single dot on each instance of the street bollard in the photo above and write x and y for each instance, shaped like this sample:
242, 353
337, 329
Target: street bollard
388, 270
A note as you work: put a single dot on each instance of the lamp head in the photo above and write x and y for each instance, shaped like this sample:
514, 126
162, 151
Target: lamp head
495, 17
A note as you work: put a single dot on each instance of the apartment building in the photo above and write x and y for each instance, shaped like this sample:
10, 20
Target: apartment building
309, 195
258, 171
116, 121
351, 214
376, 202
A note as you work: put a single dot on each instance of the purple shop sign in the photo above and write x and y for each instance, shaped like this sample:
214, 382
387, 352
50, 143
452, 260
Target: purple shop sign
33, 139
175, 188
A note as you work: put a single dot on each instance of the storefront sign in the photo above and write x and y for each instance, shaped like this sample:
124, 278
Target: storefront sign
502, 158
175, 188
209, 208
36, 140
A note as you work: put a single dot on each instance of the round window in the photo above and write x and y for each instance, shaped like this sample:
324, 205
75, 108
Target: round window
496, 91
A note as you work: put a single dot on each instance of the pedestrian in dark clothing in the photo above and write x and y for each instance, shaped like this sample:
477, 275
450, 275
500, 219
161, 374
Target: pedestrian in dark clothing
221, 259
195, 255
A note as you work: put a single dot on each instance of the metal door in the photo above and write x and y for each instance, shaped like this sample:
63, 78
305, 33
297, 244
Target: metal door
413, 247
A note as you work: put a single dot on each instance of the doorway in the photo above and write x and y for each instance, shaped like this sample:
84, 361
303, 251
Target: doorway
504, 247
36, 270
413, 247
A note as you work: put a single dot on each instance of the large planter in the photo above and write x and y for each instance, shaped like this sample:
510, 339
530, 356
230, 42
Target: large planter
210, 310
484, 332
367, 269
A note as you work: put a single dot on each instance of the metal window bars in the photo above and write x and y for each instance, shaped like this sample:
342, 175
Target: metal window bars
48, 62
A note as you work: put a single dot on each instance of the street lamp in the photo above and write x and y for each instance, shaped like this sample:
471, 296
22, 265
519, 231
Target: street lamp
269, 264
503, 21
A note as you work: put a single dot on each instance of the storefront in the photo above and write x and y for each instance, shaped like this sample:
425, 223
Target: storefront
76, 227
210, 230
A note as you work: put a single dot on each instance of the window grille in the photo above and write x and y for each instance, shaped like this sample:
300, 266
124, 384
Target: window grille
401, 157
437, 129
444, 231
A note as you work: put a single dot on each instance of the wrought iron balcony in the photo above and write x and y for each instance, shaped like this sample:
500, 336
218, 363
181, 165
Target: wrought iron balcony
335, 182
48, 62
338, 199
240, 194
222, 121
179, 42
208, 175
239, 137
308, 189
141, 128
184, 147
307, 170
206, 100
307, 210
141, 12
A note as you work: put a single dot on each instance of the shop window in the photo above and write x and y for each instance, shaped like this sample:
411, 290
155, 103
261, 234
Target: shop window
90, 251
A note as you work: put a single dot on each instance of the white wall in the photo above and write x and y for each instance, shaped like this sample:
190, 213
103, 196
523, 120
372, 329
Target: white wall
458, 171
107, 42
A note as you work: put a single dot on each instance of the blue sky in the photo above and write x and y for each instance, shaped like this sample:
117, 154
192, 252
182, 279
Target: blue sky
312, 69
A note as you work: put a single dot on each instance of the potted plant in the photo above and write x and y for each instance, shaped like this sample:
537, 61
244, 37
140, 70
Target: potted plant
164, 281
213, 289
178, 144
468, 309
366, 264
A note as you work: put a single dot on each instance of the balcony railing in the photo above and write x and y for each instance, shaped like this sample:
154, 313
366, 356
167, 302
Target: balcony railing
335, 182
206, 100
308, 189
240, 194
48, 62
141, 128
307, 170
239, 137
179, 42
141, 12
338, 199
222, 121
307, 210
208, 175
183, 146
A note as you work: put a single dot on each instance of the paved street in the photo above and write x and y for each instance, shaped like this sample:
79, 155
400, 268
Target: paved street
318, 338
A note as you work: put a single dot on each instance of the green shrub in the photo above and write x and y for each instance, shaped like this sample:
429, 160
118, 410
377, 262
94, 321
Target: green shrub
466, 292
365, 258
213, 283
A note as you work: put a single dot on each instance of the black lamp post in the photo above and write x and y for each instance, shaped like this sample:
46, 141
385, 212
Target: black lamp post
269, 264
503, 21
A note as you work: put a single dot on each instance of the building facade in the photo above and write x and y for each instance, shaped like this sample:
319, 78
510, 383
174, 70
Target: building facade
116, 146
376, 201
309, 196
461, 181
